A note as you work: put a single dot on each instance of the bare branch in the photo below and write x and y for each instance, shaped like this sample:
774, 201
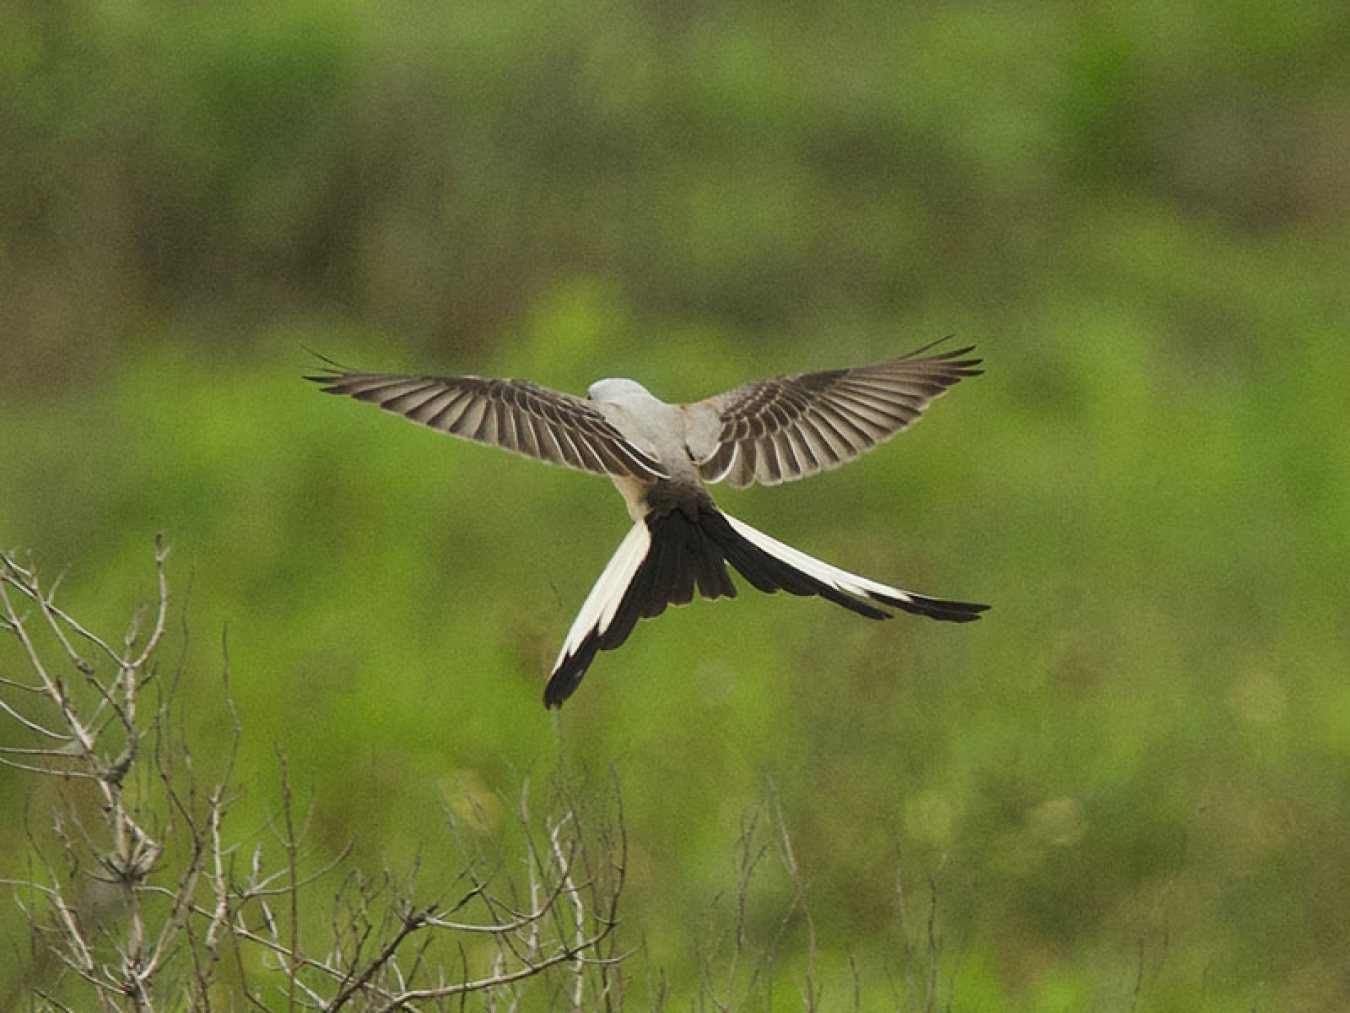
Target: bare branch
811, 997
52, 771
412, 921
579, 910
496, 981
161, 608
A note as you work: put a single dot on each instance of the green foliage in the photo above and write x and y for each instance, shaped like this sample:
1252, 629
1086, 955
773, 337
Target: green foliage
1130, 777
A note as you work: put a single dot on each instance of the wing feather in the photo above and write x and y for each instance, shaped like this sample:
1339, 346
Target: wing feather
515, 415
779, 430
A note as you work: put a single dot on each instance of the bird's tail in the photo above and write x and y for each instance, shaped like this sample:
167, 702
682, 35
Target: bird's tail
666, 556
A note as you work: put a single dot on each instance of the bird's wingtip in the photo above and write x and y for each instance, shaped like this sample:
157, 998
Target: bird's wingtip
330, 368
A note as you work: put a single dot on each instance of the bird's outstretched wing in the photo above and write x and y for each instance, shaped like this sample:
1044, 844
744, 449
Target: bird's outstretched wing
780, 430
515, 415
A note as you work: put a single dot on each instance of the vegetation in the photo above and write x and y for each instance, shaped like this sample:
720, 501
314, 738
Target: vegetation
1126, 785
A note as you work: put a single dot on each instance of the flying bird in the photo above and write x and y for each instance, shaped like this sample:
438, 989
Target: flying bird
661, 457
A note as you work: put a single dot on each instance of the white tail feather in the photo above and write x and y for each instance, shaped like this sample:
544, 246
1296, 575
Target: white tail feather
597, 611
840, 580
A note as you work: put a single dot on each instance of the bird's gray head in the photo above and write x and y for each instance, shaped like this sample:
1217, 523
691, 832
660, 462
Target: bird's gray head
616, 389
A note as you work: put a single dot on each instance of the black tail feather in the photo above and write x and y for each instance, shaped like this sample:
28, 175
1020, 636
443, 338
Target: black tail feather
936, 608
948, 611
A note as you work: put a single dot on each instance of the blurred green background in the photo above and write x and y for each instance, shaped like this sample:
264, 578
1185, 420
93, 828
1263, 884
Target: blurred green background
1130, 784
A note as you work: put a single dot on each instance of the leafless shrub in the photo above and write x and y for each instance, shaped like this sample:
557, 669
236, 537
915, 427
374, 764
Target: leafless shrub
767, 917
739, 960
920, 952
140, 895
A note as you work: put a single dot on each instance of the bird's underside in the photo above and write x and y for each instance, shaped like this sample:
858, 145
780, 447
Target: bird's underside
660, 456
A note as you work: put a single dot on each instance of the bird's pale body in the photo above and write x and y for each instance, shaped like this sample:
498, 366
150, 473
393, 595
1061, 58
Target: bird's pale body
668, 433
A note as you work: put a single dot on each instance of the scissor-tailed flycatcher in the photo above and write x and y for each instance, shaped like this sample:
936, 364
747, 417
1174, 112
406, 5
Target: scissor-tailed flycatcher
659, 456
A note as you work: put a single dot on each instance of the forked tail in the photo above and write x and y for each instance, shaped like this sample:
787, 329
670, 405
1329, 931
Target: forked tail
665, 557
